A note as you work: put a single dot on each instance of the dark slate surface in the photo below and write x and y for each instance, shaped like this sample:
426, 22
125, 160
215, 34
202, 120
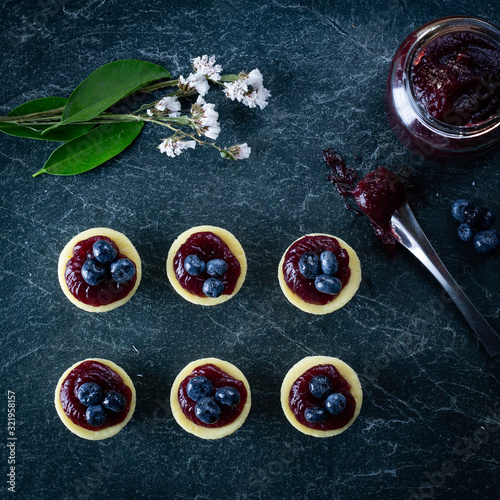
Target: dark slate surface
429, 422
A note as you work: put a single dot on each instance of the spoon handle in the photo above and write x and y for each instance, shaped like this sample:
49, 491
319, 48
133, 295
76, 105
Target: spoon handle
408, 232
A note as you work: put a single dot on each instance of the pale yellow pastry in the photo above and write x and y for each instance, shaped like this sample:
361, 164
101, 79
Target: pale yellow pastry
233, 245
125, 247
346, 293
303, 366
106, 432
199, 430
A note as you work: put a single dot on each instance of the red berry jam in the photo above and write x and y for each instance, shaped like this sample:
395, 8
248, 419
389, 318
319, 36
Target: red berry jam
207, 246
300, 285
456, 78
107, 379
219, 378
301, 399
94, 295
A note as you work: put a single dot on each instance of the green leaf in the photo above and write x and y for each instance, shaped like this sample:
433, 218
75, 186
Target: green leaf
64, 133
92, 149
107, 85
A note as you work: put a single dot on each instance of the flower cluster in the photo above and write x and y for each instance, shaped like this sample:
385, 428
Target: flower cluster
247, 88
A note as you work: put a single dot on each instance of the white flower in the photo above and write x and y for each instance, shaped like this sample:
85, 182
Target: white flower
174, 147
194, 82
248, 89
240, 151
205, 118
207, 67
170, 105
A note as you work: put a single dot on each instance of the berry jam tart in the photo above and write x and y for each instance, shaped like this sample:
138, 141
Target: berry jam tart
99, 270
95, 399
210, 398
319, 273
206, 265
321, 396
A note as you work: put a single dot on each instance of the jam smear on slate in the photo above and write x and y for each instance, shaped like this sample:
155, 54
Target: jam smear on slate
106, 378
299, 284
218, 378
94, 295
207, 246
456, 78
301, 399
378, 195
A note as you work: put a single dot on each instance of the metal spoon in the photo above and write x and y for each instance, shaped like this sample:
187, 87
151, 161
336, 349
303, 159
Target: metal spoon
406, 230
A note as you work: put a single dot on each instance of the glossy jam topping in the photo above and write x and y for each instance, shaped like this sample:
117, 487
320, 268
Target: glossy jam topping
219, 378
94, 295
207, 246
300, 398
456, 78
107, 379
303, 287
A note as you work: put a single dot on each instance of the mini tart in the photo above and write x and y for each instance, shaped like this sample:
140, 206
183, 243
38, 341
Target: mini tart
126, 248
102, 433
198, 430
344, 296
303, 366
233, 245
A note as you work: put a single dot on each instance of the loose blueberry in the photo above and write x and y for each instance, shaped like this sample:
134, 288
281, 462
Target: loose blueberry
216, 268
95, 415
212, 287
315, 415
320, 386
114, 401
104, 251
194, 265
457, 209
329, 264
474, 216
309, 265
335, 403
227, 396
199, 387
488, 219
122, 270
487, 241
465, 232
93, 272
326, 283
89, 394
207, 410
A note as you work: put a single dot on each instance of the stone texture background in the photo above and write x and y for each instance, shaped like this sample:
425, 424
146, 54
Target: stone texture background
430, 417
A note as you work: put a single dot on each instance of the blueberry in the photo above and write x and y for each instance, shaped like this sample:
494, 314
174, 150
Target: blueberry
122, 270
474, 216
199, 387
216, 268
487, 241
329, 264
114, 401
309, 265
227, 396
465, 232
326, 283
457, 209
194, 265
315, 414
320, 386
212, 287
95, 415
104, 251
207, 410
335, 403
93, 272
89, 394
488, 219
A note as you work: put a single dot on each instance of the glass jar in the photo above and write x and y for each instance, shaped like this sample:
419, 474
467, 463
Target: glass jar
415, 126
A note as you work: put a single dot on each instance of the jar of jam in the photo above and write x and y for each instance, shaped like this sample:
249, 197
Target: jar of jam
443, 90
